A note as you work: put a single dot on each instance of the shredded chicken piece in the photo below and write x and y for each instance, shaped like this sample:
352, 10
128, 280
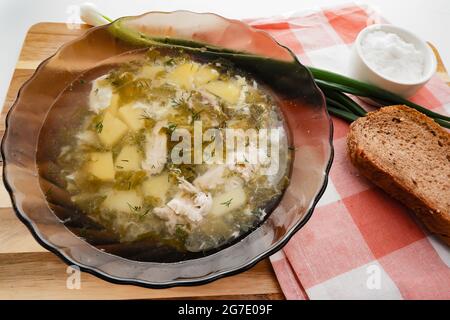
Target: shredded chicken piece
211, 178
100, 96
190, 202
155, 110
155, 150
87, 138
245, 169
168, 215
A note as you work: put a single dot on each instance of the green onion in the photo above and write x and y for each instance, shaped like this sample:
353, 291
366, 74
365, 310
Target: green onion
91, 15
334, 86
342, 83
335, 104
338, 87
443, 123
345, 115
345, 100
339, 104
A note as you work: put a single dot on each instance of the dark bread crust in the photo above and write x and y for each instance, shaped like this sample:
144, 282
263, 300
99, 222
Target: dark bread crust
434, 216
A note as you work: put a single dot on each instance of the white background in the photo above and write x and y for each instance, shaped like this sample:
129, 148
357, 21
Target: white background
430, 19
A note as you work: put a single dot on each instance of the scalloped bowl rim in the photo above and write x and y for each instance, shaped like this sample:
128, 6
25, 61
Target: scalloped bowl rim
278, 245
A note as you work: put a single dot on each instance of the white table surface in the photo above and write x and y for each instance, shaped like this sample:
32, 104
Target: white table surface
430, 19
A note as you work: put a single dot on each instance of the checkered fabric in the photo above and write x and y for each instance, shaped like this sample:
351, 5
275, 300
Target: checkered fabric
359, 243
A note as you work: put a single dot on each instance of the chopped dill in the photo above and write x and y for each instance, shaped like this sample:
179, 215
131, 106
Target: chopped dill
143, 83
146, 116
99, 127
171, 127
134, 208
196, 115
180, 232
145, 212
227, 203
169, 62
181, 102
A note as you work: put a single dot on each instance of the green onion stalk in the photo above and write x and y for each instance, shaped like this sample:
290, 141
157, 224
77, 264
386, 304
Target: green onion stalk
335, 87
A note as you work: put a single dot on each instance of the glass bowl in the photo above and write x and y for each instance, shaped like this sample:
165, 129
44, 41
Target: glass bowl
52, 96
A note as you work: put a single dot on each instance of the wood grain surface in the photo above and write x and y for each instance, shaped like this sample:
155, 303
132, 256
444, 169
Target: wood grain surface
28, 271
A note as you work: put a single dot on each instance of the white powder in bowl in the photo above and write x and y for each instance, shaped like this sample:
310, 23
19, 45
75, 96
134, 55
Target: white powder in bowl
391, 56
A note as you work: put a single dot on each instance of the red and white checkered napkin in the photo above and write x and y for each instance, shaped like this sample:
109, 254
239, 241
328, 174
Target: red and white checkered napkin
359, 243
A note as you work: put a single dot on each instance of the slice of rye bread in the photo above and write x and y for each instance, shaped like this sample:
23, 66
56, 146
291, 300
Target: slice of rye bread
406, 154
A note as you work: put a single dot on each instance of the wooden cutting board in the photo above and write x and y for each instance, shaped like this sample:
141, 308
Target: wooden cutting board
28, 271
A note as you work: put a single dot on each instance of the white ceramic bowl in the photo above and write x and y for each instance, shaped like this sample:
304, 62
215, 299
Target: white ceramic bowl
361, 70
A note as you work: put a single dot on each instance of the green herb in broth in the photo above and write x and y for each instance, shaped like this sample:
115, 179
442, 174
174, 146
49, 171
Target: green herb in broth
119, 168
